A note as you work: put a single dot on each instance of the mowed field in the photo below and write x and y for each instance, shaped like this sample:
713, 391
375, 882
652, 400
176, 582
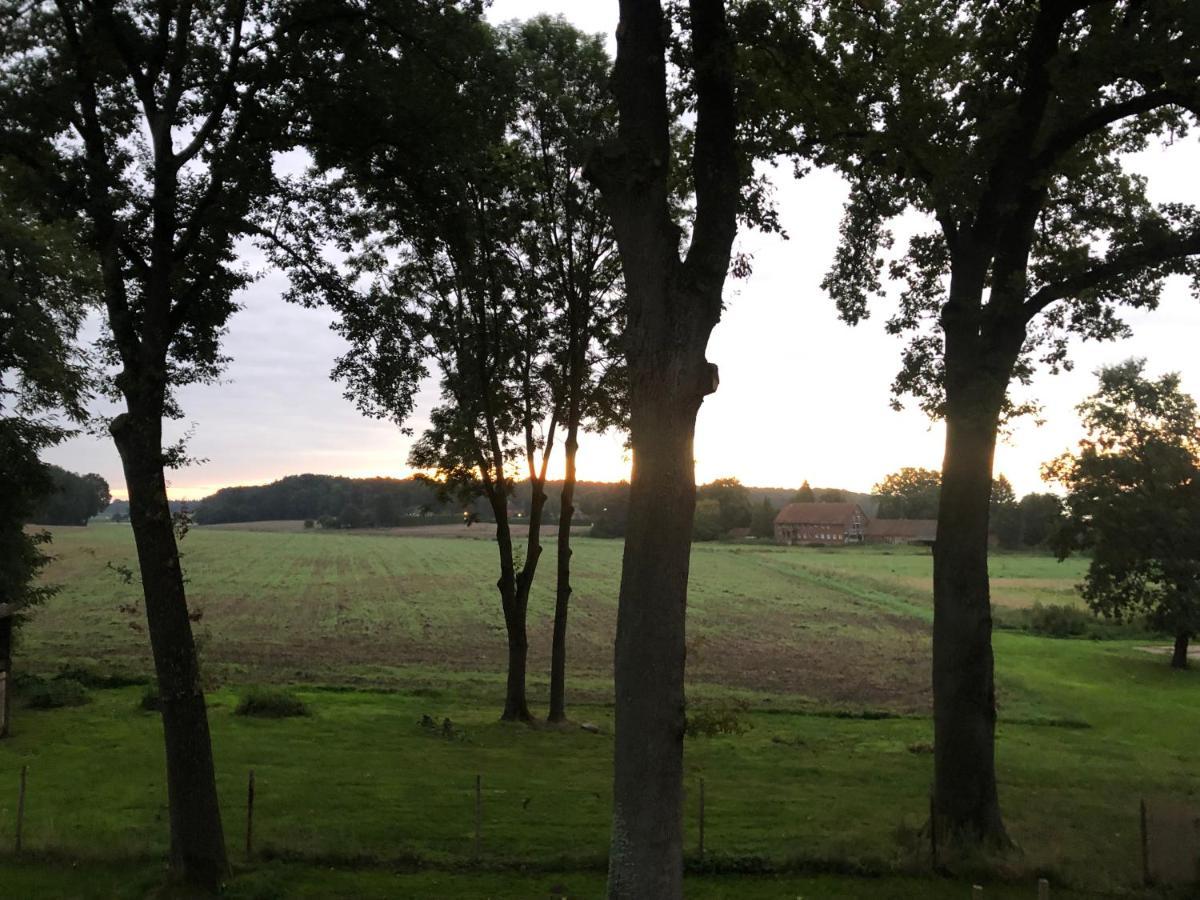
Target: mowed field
824, 651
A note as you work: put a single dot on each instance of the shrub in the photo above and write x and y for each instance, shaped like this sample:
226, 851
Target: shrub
270, 703
53, 693
717, 719
1055, 620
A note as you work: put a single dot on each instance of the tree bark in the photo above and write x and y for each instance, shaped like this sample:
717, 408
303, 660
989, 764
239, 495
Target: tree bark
673, 305
197, 851
1179, 658
516, 704
6, 634
562, 594
964, 695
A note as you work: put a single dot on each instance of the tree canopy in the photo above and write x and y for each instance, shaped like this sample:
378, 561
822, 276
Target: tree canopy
1133, 500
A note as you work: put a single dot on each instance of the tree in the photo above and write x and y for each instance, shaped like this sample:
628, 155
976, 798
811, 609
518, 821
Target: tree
1041, 517
567, 257
762, 523
831, 495
733, 503
1004, 515
72, 500
489, 261
674, 302
1133, 500
46, 286
909, 493
154, 124
706, 524
1005, 125
804, 495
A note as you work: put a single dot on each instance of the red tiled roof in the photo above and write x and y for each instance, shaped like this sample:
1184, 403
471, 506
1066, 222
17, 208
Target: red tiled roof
911, 529
817, 514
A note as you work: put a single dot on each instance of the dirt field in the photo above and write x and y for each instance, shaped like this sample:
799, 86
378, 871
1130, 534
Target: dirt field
837, 626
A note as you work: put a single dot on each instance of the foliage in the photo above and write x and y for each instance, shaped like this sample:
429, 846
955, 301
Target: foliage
1041, 516
733, 503
804, 494
706, 523
383, 501
1005, 125
1133, 498
46, 286
717, 719
762, 521
270, 703
1004, 514
51, 693
910, 493
73, 499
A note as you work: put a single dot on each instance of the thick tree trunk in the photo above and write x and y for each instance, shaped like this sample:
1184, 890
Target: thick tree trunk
6, 634
646, 859
964, 696
673, 305
1179, 659
197, 840
562, 597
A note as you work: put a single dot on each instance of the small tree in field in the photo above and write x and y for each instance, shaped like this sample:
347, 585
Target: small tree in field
1133, 500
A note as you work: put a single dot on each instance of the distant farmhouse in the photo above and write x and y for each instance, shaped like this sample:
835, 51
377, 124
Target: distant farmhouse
846, 523
821, 523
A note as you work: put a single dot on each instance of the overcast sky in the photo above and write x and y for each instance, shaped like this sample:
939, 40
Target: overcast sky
802, 396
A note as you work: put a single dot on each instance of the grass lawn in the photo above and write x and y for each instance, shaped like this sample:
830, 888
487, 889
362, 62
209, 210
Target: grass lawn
827, 648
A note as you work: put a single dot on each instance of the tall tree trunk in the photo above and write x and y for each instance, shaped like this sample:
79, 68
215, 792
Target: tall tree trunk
197, 840
673, 305
562, 596
516, 704
6, 636
1179, 659
646, 859
964, 695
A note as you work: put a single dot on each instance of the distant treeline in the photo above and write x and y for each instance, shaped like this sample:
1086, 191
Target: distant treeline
340, 502
337, 501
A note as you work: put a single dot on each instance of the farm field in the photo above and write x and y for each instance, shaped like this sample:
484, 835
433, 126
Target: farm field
824, 651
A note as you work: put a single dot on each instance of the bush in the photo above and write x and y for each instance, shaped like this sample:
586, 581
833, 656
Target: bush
717, 719
53, 693
1055, 620
270, 703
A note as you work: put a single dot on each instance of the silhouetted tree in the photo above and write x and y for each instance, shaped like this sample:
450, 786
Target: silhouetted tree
1133, 501
1005, 125
72, 499
155, 124
47, 282
674, 303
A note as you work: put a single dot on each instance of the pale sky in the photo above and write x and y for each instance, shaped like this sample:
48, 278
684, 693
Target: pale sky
802, 395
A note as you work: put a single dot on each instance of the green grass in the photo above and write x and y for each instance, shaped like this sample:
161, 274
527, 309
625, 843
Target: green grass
279, 881
803, 637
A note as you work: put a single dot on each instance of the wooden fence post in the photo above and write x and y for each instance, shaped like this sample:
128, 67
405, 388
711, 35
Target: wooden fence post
1043, 889
933, 847
250, 816
701, 818
478, 816
21, 807
1145, 844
